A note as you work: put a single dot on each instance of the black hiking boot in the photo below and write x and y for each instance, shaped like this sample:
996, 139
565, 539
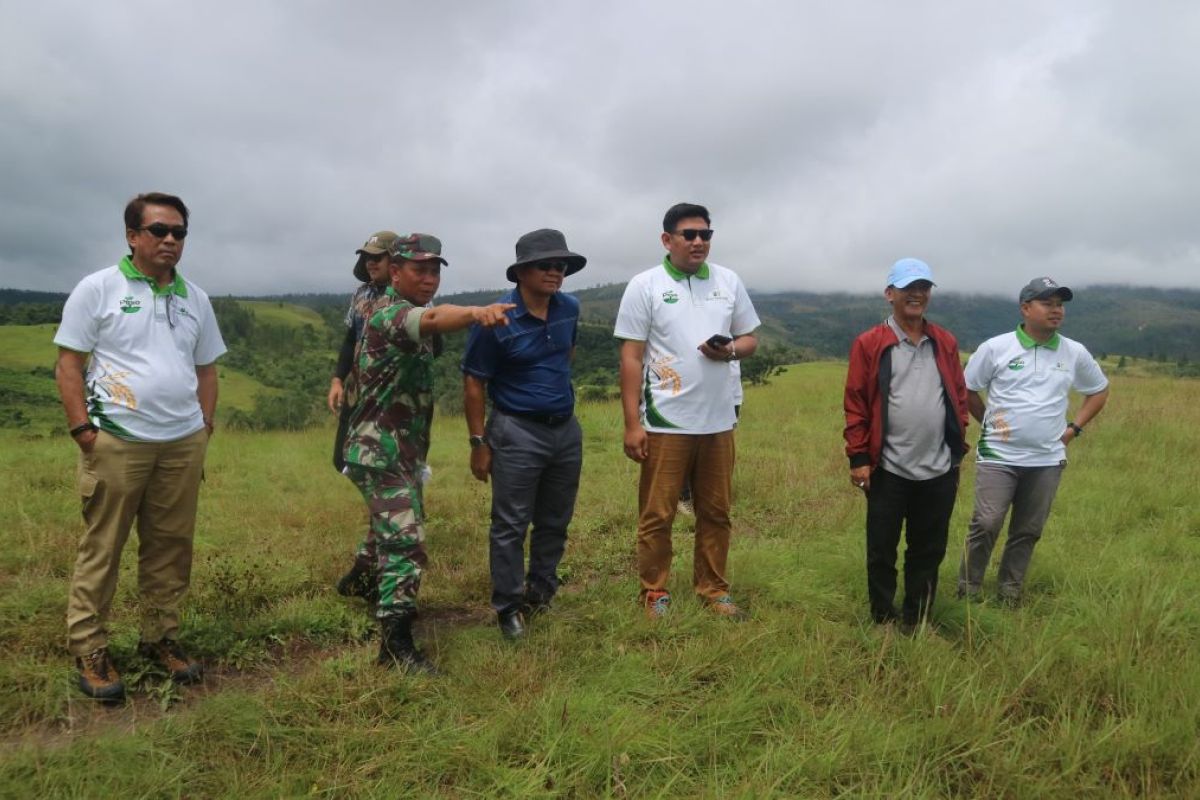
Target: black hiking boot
398, 649
359, 582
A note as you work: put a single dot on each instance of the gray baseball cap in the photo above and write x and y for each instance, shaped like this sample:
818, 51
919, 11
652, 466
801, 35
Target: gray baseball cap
1044, 288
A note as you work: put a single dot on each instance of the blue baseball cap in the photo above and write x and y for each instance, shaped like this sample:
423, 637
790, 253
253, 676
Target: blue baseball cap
907, 270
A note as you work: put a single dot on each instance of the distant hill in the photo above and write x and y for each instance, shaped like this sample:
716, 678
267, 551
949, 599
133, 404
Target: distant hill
1160, 324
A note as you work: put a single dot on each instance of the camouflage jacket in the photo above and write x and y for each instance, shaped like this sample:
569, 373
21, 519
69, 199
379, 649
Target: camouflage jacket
361, 306
390, 390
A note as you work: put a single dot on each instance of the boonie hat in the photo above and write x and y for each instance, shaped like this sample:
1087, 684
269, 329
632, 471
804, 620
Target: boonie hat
544, 244
1044, 288
375, 246
907, 270
418, 247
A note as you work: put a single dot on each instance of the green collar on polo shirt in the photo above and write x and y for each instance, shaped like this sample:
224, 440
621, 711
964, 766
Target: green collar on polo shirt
679, 274
1028, 341
176, 286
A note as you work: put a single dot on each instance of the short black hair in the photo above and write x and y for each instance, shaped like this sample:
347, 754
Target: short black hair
683, 211
137, 206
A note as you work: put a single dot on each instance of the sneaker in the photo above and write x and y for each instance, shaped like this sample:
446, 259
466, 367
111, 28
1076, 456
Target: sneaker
724, 606
359, 582
98, 677
657, 604
170, 656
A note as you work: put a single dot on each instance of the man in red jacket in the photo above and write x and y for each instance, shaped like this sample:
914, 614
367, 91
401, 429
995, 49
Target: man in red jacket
906, 422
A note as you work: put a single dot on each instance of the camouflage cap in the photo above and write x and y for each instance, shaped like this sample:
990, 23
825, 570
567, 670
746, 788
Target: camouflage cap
377, 245
418, 247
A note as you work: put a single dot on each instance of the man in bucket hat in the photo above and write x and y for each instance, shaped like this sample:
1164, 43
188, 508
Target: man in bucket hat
1028, 375
390, 392
532, 445
371, 269
906, 423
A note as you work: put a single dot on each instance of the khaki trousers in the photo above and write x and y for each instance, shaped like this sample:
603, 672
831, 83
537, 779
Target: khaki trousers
707, 461
159, 483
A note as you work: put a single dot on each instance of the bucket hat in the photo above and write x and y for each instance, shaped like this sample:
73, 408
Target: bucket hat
544, 244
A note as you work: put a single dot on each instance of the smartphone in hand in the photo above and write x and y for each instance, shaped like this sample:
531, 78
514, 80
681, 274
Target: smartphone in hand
718, 340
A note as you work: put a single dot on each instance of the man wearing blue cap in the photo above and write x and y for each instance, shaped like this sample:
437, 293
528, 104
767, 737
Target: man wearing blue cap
906, 422
1027, 374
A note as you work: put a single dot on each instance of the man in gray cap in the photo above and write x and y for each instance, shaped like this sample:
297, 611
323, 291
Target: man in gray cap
532, 445
906, 424
1028, 375
371, 269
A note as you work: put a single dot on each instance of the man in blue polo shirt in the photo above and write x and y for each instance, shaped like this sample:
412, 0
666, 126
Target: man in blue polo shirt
532, 446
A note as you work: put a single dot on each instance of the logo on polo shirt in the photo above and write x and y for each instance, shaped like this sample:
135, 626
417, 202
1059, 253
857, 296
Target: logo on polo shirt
130, 304
669, 296
1017, 363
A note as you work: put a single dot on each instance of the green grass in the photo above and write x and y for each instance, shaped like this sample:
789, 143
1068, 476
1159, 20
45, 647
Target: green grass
278, 313
1091, 689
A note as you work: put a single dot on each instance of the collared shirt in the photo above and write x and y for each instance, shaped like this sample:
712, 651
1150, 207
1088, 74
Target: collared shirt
145, 342
673, 313
1028, 384
914, 444
527, 363
390, 391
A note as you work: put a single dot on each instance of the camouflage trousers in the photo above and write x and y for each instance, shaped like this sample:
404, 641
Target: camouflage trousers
398, 529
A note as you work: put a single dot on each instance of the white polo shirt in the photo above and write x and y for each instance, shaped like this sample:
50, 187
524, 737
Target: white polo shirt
673, 313
145, 344
1027, 387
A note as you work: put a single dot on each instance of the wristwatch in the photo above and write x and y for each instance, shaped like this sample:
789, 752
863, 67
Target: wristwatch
477, 441
1077, 428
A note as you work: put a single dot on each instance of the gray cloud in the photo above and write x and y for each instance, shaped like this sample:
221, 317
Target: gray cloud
828, 140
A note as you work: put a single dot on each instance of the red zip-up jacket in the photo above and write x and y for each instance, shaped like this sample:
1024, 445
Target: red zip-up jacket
869, 379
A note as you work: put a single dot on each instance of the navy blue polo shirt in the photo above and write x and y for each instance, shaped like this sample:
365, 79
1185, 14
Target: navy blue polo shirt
527, 363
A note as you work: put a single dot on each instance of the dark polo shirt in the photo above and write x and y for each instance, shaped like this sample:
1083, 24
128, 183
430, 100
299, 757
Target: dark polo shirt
527, 363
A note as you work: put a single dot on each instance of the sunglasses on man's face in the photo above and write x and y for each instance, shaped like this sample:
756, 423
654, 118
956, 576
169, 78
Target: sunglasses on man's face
159, 231
547, 266
690, 234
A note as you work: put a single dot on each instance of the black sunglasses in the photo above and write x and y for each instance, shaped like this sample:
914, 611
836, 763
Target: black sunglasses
690, 234
159, 231
546, 266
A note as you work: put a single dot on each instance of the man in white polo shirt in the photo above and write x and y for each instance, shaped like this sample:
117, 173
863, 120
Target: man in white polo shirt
140, 409
682, 322
1028, 375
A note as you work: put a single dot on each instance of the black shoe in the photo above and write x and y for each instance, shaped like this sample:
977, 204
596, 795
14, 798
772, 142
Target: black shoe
170, 656
534, 604
512, 625
98, 677
397, 648
359, 582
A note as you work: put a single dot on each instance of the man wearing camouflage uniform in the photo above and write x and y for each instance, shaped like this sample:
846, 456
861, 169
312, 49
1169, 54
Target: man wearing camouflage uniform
390, 393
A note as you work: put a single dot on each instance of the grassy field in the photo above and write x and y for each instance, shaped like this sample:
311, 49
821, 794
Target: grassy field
1091, 689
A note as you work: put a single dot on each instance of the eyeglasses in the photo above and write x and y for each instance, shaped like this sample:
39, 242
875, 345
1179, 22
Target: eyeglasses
690, 234
546, 266
159, 231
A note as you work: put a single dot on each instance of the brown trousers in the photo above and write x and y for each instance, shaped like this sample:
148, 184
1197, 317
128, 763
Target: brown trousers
708, 461
159, 483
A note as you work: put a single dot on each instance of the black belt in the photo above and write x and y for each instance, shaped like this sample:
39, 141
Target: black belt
551, 420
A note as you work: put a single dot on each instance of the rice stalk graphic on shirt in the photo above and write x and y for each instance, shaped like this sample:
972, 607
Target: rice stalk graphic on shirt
114, 386
1000, 426
665, 375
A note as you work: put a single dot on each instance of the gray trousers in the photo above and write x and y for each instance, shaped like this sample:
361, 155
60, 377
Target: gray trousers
1030, 491
535, 477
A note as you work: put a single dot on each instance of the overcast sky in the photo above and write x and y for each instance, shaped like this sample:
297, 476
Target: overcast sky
996, 141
